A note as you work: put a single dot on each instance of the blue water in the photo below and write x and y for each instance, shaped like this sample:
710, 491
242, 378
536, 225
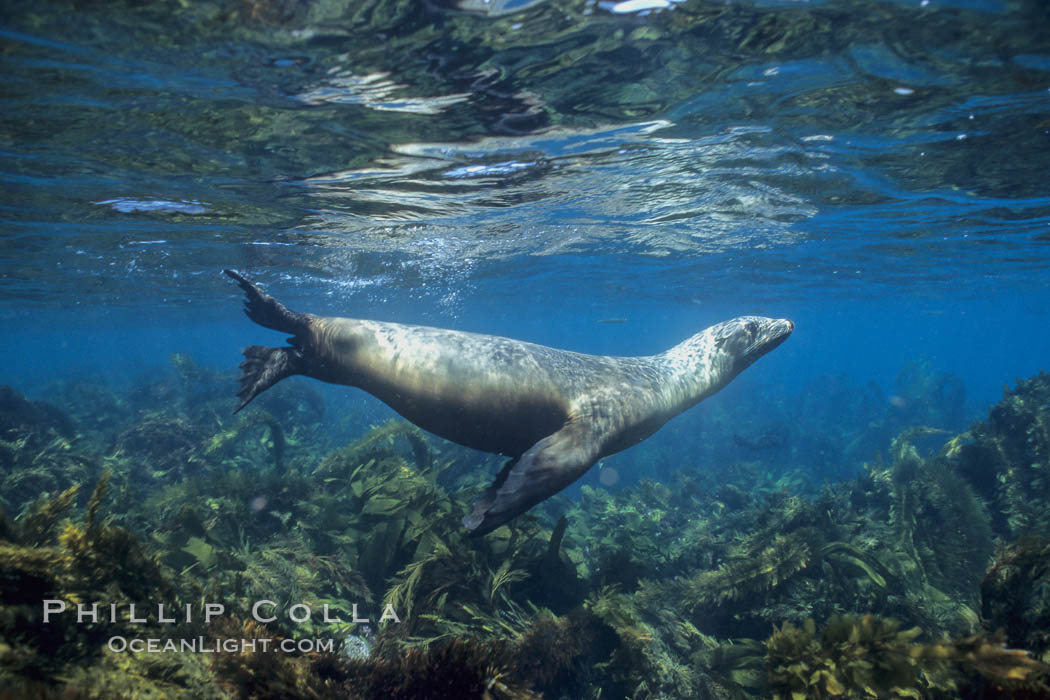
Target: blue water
875, 171
600, 176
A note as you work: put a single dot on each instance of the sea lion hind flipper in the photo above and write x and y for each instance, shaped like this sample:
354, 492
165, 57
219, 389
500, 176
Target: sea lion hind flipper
543, 470
263, 367
267, 311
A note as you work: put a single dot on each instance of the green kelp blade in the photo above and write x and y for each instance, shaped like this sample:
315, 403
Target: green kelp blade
201, 551
382, 505
848, 554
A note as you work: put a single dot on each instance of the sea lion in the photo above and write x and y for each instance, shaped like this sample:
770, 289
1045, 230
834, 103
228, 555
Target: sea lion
553, 412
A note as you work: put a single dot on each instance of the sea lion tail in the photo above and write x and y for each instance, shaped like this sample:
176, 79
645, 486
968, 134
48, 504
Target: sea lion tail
262, 368
267, 311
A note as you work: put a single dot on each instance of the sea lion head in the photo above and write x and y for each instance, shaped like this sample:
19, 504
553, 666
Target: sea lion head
745, 339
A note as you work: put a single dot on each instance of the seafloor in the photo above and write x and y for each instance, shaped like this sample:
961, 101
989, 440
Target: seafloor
928, 575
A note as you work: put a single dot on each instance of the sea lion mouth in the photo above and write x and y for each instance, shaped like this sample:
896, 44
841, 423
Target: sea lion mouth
779, 329
771, 333
760, 336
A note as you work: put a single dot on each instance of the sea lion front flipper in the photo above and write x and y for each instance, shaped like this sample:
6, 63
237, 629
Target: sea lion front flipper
543, 470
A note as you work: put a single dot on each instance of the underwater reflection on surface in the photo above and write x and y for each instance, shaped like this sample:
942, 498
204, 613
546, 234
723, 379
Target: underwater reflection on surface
874, 134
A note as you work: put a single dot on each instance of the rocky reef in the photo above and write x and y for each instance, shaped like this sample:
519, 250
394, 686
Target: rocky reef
343, 571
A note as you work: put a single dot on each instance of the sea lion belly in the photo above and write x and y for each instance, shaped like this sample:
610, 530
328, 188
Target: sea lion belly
486, 393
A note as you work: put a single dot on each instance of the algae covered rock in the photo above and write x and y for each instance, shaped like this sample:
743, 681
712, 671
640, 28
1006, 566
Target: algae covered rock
1015, 595
1007, 457
868, 657
38, 453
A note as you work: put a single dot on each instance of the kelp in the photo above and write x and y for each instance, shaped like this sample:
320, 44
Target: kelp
39, 451
88, 561
1007, 458
757, 570
171, 675
922, 530
231, 441
643, 664
549, 649
168, 446
1015, 595
876, 658
457, 668
658, 590
377, 509
464, 586
941, 529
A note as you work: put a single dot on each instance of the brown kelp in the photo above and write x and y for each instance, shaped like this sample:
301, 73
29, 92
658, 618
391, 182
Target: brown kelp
1015, 595
1007, 457
86, 561
734, 581
39, 450
875, 658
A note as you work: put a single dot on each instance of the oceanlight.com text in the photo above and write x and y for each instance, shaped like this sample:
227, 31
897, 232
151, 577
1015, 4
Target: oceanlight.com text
205, 645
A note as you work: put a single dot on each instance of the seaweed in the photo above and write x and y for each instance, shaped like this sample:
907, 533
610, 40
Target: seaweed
168, 445
755, 571
465, 667
1007, 458
254, 670
89, 561
656, 590
231, 442
643, 664
457, 668
734, 669
939, 520
38, 451
168, 676
1015, 595
871, 657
